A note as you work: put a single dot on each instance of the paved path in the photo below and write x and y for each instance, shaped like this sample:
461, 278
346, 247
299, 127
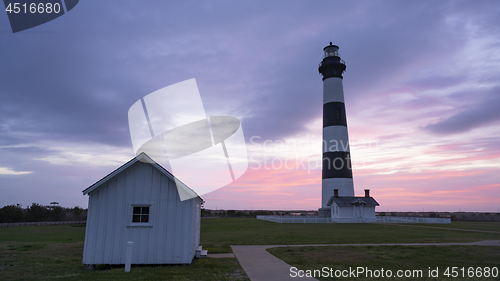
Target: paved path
223, 255
260, 265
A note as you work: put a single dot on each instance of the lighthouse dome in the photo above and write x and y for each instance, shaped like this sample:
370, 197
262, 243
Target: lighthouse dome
331, 50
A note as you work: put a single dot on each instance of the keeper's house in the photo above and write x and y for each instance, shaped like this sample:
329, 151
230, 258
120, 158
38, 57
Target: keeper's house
140, 202
352, 209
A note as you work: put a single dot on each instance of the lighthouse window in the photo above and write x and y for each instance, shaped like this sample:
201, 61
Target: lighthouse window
331, 52
338, 113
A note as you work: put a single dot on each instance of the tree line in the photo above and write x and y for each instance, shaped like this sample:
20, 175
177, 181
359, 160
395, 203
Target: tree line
38, 213
235, 213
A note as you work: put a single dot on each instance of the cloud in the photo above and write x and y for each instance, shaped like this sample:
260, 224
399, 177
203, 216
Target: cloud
8, 171
470, 117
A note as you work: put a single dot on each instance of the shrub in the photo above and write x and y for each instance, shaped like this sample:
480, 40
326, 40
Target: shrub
11, 213
37, 212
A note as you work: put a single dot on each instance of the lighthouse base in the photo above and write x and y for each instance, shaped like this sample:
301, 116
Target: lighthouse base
324, 212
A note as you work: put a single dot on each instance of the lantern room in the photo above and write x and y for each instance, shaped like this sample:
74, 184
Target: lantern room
331, 50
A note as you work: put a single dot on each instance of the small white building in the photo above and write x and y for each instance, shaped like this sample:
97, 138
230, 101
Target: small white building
352, 209
140, 202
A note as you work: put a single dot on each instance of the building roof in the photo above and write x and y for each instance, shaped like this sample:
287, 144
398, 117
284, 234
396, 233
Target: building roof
184, 191
352, 200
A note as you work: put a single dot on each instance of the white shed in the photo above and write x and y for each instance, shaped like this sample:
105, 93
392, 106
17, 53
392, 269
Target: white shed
140, 202
352, 209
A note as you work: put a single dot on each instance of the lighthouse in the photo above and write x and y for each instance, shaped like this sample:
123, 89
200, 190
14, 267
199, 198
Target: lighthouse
336, 169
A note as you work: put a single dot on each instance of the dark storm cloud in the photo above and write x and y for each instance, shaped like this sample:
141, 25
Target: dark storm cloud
78, 83
470, 117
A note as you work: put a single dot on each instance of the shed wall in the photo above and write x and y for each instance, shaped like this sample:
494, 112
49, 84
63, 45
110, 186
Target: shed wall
170, 237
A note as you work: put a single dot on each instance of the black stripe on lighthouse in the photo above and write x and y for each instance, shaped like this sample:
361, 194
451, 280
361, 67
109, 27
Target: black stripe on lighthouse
337, 164
334, 114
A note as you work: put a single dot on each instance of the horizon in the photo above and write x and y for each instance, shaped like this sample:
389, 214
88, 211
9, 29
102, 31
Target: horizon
421, 94
279, 210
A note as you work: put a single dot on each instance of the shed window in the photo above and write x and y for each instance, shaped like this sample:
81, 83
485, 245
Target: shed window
140, 214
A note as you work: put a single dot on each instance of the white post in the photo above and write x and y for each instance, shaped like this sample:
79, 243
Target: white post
128, 259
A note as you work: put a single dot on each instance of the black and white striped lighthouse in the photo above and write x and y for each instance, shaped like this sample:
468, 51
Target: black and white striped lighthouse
337, 169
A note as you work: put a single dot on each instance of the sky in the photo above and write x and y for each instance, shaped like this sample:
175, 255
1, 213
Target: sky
422, 95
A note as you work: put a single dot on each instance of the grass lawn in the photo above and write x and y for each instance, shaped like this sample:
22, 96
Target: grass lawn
43, 233
487, 226
218, 234
55, 252
63, 261
393, 258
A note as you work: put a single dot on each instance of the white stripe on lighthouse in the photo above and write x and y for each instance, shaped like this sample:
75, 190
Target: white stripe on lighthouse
344, 185
333, 90
335, 138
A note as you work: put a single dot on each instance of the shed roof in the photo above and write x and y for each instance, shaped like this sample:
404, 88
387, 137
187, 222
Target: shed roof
184, 191
352, 200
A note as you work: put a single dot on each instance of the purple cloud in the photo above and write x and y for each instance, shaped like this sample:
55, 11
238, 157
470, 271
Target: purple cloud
470, 117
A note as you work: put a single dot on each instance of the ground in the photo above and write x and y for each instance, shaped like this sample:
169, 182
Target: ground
416, 259
55, 252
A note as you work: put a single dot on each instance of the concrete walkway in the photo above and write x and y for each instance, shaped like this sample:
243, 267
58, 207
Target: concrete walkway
260, 265
223, 255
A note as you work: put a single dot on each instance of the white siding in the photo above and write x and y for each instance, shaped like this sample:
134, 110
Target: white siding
369, 212
174, 232
350, 214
